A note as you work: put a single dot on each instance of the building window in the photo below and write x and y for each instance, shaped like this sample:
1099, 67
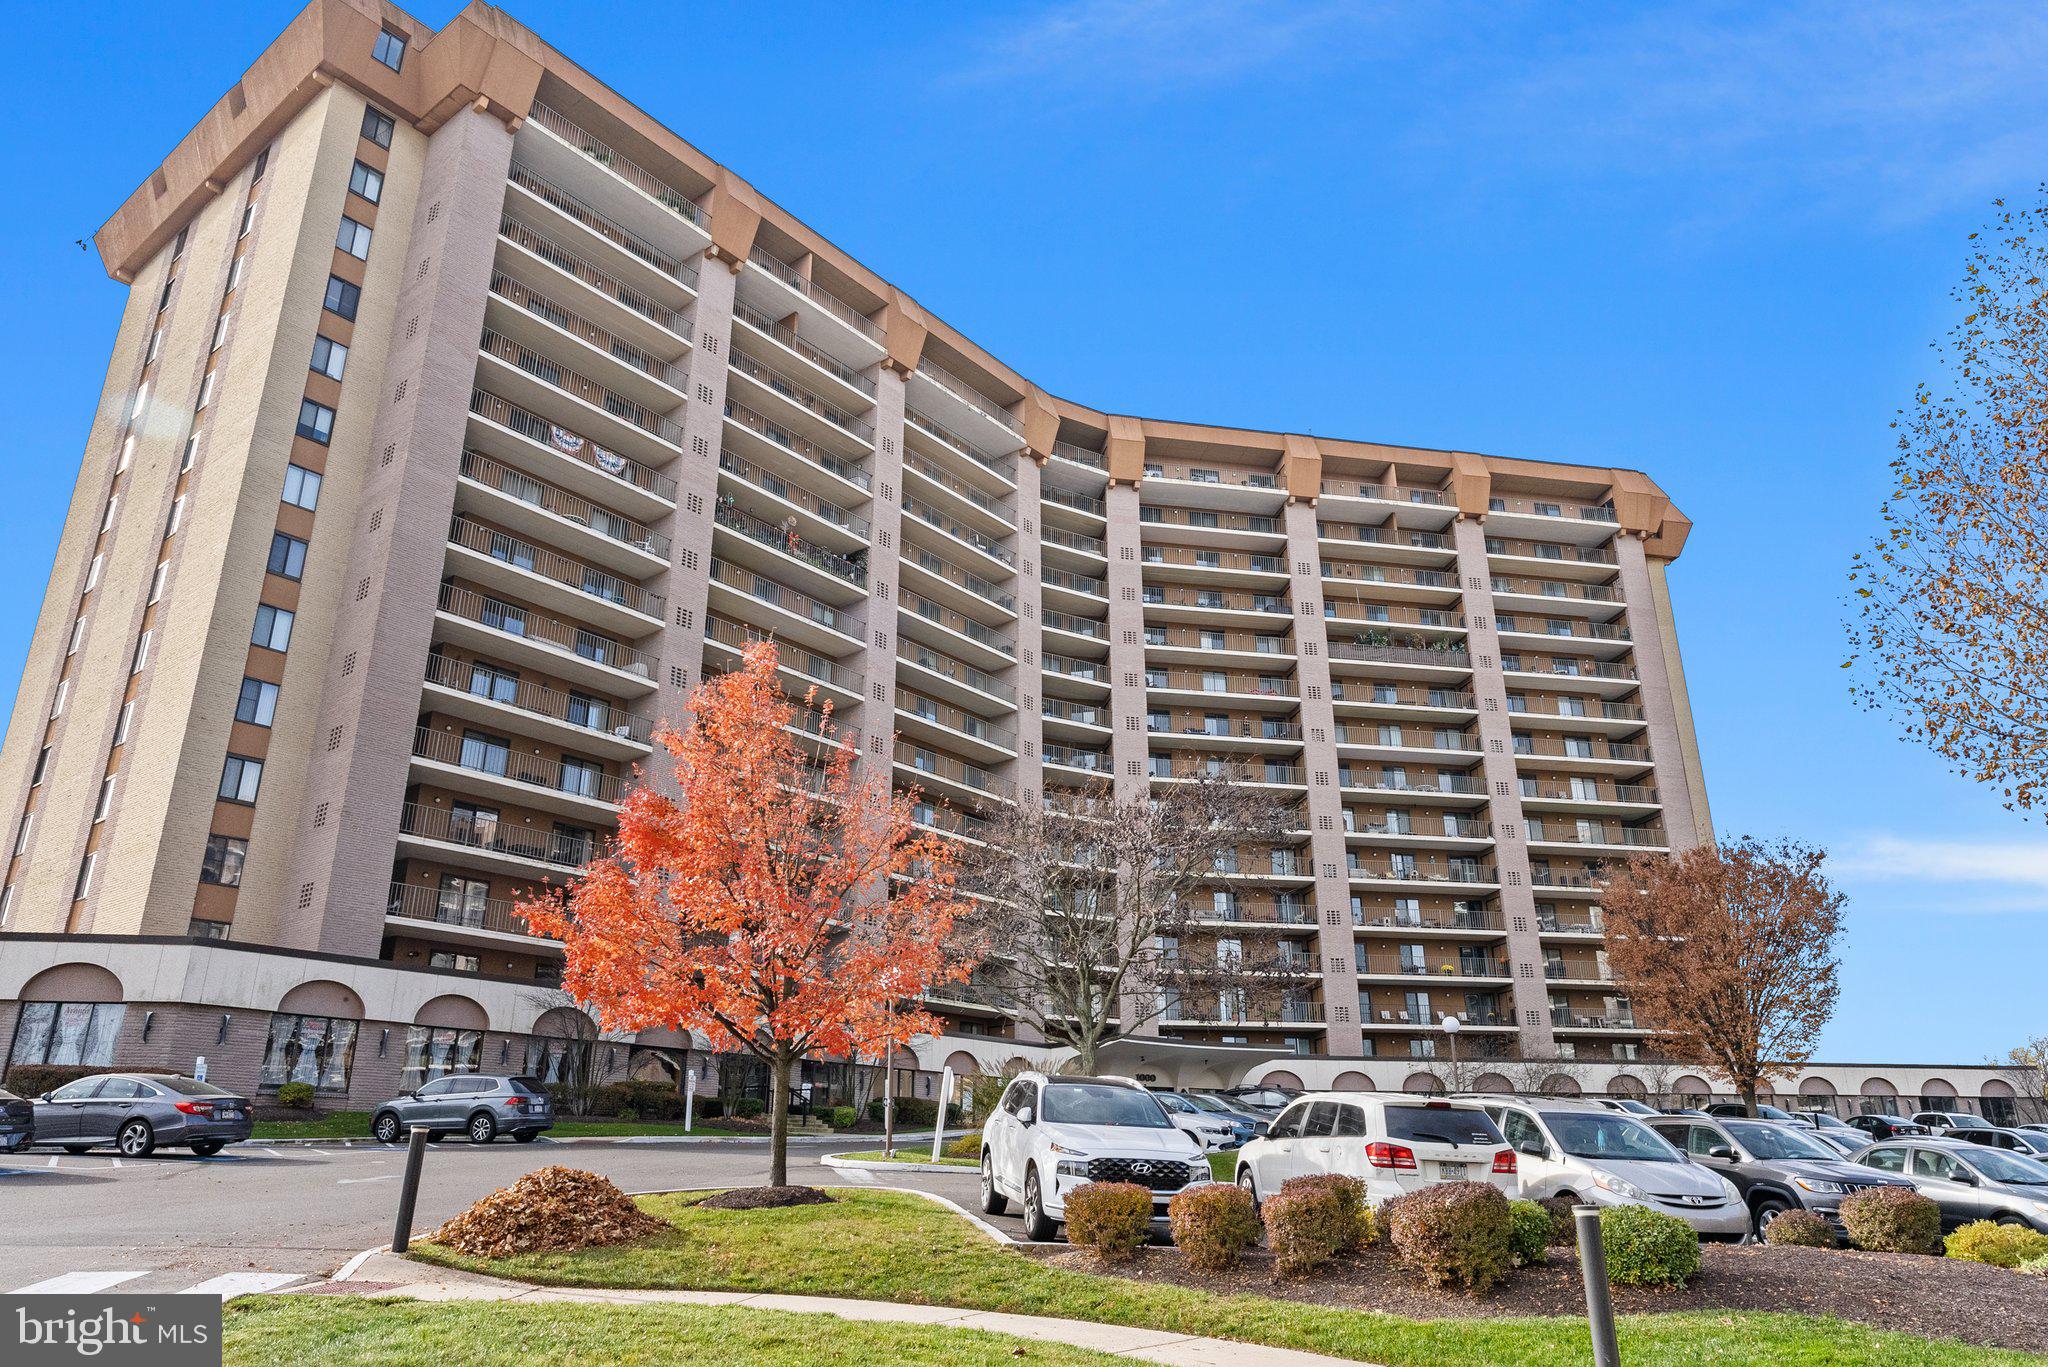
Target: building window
354, 239
42, 762
558, 1062
377, 126
202, 929
156, 581
452, 962
122, 722
28, 822
433, 1051
366, 182
67, 1034
240, 777
330, 357
77, 636
262, 163
301, 487
106, 802
206, 390
316, 421
57, 703
191, 453
273, 628
461, 901
176, 517
258, 703
220, 330
86, 868
390, 49
287, 556
222, 865
342, 297
313, 1049
141, 653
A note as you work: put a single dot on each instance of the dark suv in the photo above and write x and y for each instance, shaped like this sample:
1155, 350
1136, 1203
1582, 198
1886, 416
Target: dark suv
17, 1122
480, 1105
1777, 1167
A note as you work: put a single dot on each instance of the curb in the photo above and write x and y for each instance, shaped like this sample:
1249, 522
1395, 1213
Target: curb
365, 1142
834, 1160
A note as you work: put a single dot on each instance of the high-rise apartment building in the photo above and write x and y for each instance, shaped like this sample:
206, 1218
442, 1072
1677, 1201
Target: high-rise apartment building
463, 418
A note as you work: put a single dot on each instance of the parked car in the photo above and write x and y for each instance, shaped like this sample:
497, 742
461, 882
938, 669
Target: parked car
1847, 1142
2021, 1142
1394, 1142
139, 1113
1777, 1167
480, 1105
1947, 1122
1050, 1135
1213, 1131
1584, 1153
1625, 1104
1826, 1121
1736, 1108
17, 1122
1968, 1181
1244, 1126
1877, 1125
2042, 1129
1262, 1100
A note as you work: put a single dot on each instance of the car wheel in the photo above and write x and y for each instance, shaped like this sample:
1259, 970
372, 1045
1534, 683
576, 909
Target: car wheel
1037, 1227
1766, 1211
207, 1148
482, 1129
2008, 1218
527, 1136
1249, 1185
993, 1202
136, 1139
384, 1129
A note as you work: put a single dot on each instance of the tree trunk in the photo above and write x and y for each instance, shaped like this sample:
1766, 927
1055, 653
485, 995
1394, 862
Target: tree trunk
1747, 1086
889, 1102
1084, 1054
778, 1120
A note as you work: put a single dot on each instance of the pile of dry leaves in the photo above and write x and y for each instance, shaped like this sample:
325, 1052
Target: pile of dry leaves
548, 1211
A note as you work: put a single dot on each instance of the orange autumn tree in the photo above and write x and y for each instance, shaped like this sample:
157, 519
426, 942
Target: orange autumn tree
749, 906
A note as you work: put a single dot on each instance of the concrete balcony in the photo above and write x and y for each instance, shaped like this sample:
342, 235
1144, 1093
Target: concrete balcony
501, 561
532, 444
550, 514
487, 697
492, 923
572, 222
626, 191
517, 633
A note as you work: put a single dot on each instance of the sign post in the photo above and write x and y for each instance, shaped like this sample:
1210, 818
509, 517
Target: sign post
939, 1121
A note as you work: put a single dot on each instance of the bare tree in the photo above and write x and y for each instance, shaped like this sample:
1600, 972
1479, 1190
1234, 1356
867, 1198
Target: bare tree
1728, 951
1091, 923
1542, 1075
1950, 637
2026, 1068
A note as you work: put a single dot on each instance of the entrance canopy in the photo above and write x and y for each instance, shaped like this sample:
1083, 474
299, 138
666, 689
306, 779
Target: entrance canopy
1180, 1065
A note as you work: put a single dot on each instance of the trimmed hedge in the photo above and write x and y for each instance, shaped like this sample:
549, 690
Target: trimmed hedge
1564, 1231
296, 1095
1350, 1194
1984, 1241
1648, 1248
912, 1111
33, 1079
963, 1146
1528, 1233
1306, 1226
749, 1107
1453, 1234
1800, 1228
842, 1117
1892, 1220
1213, 1224
1114, 1219
2035, 1267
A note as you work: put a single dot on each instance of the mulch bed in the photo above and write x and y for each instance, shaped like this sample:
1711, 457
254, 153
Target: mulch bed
765, 1198
1930, 1297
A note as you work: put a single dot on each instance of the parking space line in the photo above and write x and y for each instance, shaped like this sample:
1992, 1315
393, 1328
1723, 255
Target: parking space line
78, 1283
231, 1284
350, 1181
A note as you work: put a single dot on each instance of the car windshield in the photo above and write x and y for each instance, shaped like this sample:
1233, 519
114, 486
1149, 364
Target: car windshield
1828, 1122
1777, 1141
2000, 1166
1178, 1105
2038, 1143
1966, 1122
1585, 1134
1208, 1103
1099, 1103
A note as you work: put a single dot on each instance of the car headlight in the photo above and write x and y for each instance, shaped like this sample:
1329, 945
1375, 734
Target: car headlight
1062, 1148
1618, 1185
1073, 1167
1729, 1191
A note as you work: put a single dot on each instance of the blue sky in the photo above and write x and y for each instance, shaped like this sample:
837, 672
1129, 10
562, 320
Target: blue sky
1709, 241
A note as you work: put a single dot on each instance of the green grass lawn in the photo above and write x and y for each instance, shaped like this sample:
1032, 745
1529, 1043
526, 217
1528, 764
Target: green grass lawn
911, 1153
1223, 1165
356, 1125
347, 1329
887, 1246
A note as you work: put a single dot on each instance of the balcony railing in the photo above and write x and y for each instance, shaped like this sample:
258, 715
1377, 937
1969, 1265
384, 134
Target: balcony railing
1551, 550
1268, 771
787, 335
1566, 667
1563, 628
1595, 833
1587, 791
960, 673
1527, 748
796, 393
1394, 493
569, 206
1241, 728
1407, 737
590, 714
769, 591
1077, 626
534, 771
1553, 925
1459, 785
628, 170
953, 719
810, 664
1080, 455
1080, 503
1459, 826
1069, 667
1574, 707
552, 632
451, 908
934, 563
1081, 713
563, 504
954, 770
562, 259
956, 621
967, 394
495, 835
1383, 536
1537, 507
549, 564
1219, 681
959, 445
954, 527
731, 516
1378, 574
521, 295
559, 376
1073, 583
770, 482
823, 298
1391, 695
1551, 588
1441, 968
1421, 870
581, 449
809, 450
1094, 761
1449, 657
1470, 918
980, 498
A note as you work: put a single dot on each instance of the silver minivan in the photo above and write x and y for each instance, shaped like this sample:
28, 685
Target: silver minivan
480, 1105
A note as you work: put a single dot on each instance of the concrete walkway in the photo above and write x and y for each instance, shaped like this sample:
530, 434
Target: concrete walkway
386, 1274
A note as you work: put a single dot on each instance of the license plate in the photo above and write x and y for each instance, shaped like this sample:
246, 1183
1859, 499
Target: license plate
229, 1115
1453, 1172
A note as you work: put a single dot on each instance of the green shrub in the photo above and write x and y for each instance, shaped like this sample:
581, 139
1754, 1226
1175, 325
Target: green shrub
1213, 1224
2035, 1267
708, 1108
914, 1112
1892, 1220
1801, 1228
297, 1095
1648, 1248
1528, 1233
33, 1079
1564, 1229
1982, 1241
842, 1117
964, 1146
1350, 1194
1453, 1234
1114, 1219
748, 1107
1305, 1227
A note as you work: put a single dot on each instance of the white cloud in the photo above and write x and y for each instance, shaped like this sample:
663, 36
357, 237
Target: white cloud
2004, 877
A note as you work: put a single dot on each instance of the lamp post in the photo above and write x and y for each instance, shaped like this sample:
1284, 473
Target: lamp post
1452, 1025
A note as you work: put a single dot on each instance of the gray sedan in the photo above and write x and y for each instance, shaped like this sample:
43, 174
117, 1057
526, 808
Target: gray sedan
480, 1105
1968, 1181
138, 1113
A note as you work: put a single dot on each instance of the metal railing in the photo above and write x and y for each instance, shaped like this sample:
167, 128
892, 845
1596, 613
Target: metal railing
1080, 455
1538, 507
1570, 667
1585, 790
734, 518
958, 530
769, 482
767, 590
570, 206
953, 770
979, 497
1402, 695
1406, 737
1080, 503
1240, 728
1094, 761
1459, 826
1550, 550
1458, 785
954, 719
1555, 925
1069, 667
562, 259
1078, 626
1563, 628
521, 295
746, 417
1594, 749
954, 620
1571, 708
625, 168
787, 336
1218, 600
587, 579
590, 714
1004, 466
496, 835
575, 508
1361, 573
1461, 967
1554, 588
578, 448
1420, 871
967, 394
982, 680
789, 388
554, 373
1073, 583
797, 660
1081, 713
1466, 919
534, 771
541, 629
1383, 536
448, 907
1449, 657
817, 294
934, 563
1074, 541
1391, 493
1219, 681
1595, 833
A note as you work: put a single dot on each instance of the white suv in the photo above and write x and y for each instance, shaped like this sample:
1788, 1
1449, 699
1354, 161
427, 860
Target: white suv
1394, 1142
1587, 1153
1050, 1135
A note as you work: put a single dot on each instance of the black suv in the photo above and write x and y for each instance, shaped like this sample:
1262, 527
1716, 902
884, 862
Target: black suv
1886, 1126
1777, 1167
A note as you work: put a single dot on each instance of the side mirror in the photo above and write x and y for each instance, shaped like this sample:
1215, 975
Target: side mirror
1025, 1115
1968, 1179
1533, 1147
44, 1097
1721, 1153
